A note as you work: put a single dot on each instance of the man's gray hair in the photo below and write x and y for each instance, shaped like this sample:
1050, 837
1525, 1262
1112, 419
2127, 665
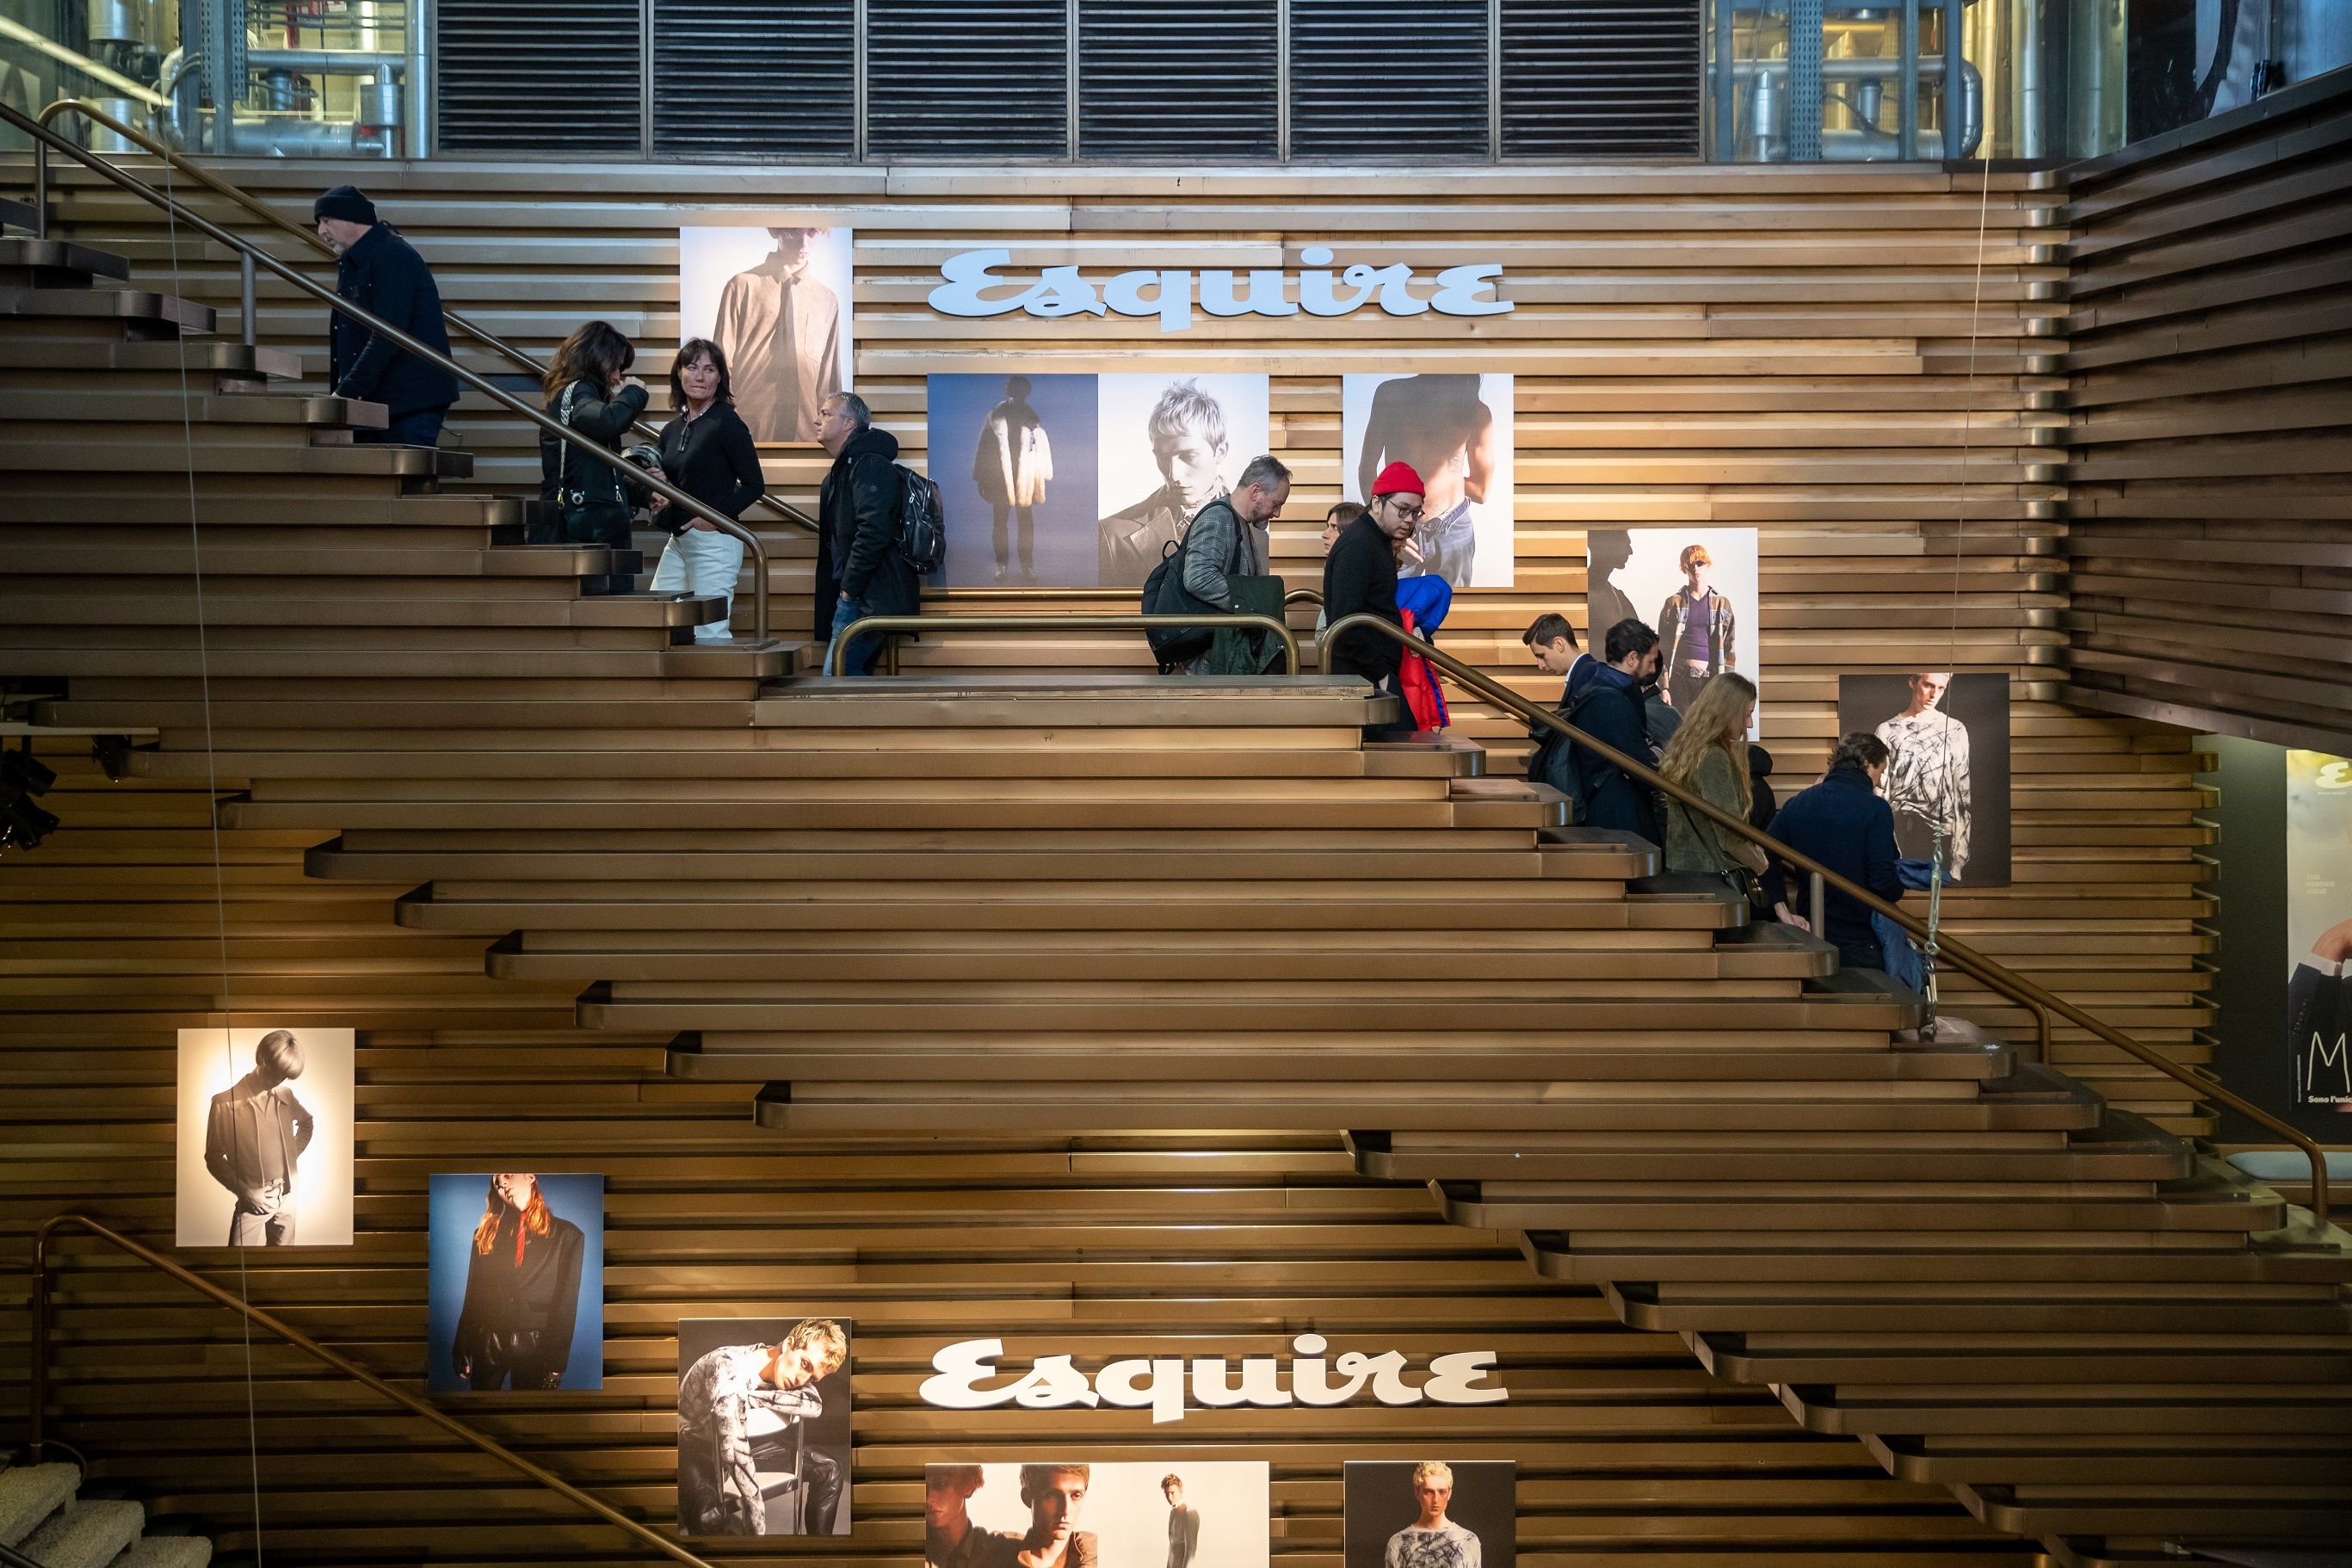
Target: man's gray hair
1265, 473
855, 406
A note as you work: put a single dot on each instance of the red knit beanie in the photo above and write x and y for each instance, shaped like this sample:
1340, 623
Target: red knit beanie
1396, 479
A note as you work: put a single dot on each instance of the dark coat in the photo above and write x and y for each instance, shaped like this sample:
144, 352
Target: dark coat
857, 542
383, 274
1608, 707
713, 460
1359, 575
601, 420
522, 1314
1848, 827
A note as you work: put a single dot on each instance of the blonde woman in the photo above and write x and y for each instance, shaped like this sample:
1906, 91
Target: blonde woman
1708, 756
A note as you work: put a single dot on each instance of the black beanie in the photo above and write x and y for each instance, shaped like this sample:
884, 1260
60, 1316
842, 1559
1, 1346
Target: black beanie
345, 202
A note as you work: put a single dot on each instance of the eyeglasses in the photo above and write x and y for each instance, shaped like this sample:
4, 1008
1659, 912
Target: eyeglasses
1410, 513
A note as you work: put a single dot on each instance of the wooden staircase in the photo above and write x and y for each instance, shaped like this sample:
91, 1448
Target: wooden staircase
999, 906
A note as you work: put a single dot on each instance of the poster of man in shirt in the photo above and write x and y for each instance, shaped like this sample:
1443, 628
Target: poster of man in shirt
1696, 588
265, 1137
2319, 927
776, 300
1431, 1513
1455, 431
1947, 779
1077, 1512
764, 1442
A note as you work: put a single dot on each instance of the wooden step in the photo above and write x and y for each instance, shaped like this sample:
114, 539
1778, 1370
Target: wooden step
2138, 1409
1933, 1308
27, 262
2320, 1514
1155, 700
133, 305
35, 350
2127, 1458
2241, 1359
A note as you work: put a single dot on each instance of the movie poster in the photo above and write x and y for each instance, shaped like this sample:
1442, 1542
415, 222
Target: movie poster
1178, 1514
1949, 736
1170, 444
2319, 927
1431, 1513
516, 1289
1455, 431
1696, 588
777, 302
1013, 457
265, 1138
763, 1427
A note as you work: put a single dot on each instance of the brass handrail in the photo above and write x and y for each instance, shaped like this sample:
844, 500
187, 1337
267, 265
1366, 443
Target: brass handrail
271, 215
1991, 972
40, 1391
1075, 623
44, 136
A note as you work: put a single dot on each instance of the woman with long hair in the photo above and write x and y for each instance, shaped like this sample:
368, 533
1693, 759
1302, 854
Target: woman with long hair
706, 451
522, 1291
589, 388
1709, 755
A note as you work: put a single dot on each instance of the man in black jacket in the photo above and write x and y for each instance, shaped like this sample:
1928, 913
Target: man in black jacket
1360, 576
859, 569
381, 273
1605, 702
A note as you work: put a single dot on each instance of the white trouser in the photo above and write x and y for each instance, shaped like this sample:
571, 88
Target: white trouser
705, 564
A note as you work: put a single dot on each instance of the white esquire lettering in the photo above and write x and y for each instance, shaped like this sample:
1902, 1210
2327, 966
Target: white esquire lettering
972, 287
1160, 1384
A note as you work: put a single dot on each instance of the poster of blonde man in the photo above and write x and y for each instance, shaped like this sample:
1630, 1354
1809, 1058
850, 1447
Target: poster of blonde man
265, 1137
1432, 1513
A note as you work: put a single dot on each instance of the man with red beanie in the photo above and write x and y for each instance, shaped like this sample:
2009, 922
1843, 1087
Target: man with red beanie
1359, 575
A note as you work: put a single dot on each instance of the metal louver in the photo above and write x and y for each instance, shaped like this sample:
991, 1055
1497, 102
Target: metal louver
753, 78
1172, 78
1388, 81
541, 75
967, 78
1600, 79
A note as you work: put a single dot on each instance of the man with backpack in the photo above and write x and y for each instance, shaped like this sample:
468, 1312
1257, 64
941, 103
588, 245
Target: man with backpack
860, 568
1604, 700
1225, 542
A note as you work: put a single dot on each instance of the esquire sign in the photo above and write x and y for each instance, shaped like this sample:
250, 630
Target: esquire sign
1160, 1384
1169, 293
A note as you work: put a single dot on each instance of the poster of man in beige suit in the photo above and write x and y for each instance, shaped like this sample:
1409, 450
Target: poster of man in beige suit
776, 300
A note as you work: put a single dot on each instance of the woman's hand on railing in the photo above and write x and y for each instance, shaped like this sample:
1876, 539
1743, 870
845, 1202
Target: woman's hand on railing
1789, 917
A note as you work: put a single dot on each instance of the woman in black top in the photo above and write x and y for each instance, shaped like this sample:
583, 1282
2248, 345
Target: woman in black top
590, 389
707, 452
522, 1291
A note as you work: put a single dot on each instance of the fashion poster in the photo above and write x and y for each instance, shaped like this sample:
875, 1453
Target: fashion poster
1431, 1513
1013, 457
1455, 431
1948, 734
516, 1290
777, 303
2319, 927
763, 1427
1169, 445
1075, 1513
265, 1138
1696, 588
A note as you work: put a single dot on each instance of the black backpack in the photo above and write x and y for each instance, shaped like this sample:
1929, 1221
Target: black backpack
922, 531
1164, 594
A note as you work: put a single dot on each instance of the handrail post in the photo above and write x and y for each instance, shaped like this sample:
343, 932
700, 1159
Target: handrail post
40, 189
1819, 905
245, 294
37, 1383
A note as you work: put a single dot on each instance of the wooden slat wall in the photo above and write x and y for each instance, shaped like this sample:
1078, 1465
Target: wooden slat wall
1785, 349
2210, 468
1630, 1456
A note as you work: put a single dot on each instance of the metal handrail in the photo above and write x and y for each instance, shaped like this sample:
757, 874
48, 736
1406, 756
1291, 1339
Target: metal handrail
43, 1315
271, 215
1995, 975
1079, 623
44, 136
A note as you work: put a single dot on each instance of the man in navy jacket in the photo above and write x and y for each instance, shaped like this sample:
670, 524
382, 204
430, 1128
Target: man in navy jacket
1843, 822
382, 273
1604, 700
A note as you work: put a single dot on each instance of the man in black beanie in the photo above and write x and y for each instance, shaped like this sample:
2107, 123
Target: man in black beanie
380, 272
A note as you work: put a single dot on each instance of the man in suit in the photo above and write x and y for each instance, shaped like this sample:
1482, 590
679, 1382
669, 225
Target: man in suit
254, 1137
1183, 1524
